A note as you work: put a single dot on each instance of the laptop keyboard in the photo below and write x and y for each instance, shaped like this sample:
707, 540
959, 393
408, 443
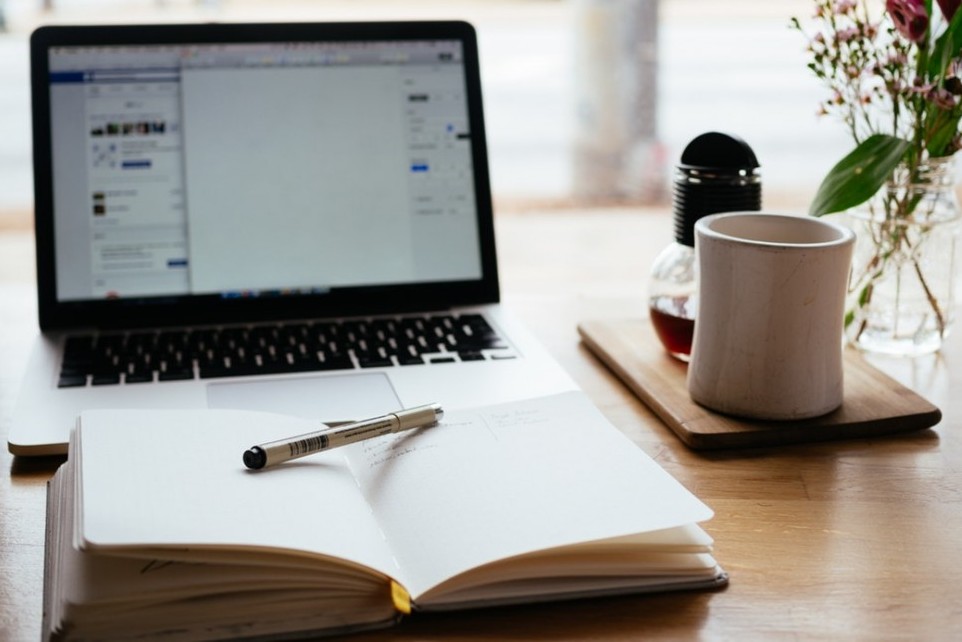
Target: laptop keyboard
149, 356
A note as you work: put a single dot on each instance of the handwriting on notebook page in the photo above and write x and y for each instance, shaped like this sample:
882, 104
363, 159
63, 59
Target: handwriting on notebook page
459, 430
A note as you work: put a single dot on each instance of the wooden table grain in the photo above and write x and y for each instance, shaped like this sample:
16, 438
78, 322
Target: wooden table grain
842, 540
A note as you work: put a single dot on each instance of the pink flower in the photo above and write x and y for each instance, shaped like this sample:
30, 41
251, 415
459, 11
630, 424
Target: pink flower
909, 17
844, 35
896, 59
942, 98
949, 7
844, 6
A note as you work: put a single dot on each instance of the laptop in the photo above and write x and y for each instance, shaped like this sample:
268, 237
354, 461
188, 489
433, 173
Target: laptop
284, 217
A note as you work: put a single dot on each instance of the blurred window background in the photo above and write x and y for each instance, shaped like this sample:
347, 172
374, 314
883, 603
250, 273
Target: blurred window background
587, 102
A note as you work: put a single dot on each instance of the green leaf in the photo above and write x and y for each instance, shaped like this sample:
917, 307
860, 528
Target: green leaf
943, 125
947, 47
857, 177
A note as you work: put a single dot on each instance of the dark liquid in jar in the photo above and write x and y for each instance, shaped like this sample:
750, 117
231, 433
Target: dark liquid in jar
673, 323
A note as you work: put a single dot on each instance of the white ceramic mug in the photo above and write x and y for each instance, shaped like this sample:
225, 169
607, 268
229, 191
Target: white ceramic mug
771, 300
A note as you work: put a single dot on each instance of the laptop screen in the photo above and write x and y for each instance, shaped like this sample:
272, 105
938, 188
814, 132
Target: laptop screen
241, 169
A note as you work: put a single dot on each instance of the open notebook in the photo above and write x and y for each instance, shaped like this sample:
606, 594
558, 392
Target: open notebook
282, 217
528, 501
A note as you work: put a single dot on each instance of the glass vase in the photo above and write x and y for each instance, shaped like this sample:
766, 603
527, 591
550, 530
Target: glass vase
902, 288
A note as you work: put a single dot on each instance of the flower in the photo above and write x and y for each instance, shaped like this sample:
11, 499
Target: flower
894, 78
949, 7
910, 18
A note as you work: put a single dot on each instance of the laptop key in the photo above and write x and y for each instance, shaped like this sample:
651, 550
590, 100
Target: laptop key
374, 361
337, 362
241, 370
70, 370
72, 381
105, 379
274, 368
175, 375
211, 371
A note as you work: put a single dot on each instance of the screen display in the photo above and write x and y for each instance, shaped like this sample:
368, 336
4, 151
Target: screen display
244, 170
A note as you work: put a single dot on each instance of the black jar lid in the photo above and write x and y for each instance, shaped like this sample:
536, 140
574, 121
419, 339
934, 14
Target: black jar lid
718, 151
717, 173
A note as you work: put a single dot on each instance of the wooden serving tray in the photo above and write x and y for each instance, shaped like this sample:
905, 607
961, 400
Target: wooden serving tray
874, 403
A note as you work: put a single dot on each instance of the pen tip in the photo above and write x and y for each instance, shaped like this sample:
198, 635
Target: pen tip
255, 458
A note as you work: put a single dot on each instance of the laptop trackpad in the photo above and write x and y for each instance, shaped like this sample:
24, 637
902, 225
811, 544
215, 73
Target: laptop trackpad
327, 398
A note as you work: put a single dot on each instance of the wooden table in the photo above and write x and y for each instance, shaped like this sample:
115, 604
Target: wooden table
853, 540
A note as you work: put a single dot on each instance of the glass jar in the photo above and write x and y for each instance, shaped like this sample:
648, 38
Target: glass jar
902, 289
718, 173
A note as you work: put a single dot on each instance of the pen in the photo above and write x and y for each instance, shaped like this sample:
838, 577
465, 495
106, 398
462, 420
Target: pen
276, 452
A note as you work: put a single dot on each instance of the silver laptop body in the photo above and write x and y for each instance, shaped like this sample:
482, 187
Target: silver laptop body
284, 217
